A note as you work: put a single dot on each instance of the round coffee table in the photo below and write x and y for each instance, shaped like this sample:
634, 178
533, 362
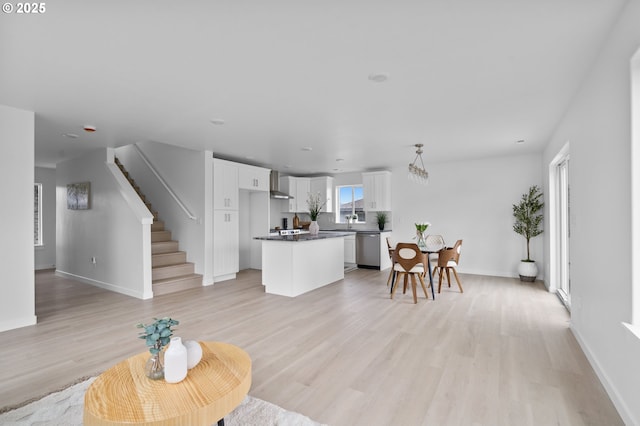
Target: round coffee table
212, 389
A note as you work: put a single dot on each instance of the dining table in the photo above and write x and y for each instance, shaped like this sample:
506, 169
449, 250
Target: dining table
426, 250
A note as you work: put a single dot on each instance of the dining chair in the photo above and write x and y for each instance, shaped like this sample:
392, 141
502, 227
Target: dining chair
408, 261
433, 240
448, 260
392, 273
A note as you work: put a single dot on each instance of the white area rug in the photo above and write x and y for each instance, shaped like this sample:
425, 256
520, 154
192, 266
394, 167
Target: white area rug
65, 408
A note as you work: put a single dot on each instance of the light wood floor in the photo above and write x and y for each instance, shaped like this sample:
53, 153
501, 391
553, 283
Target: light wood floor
499, 354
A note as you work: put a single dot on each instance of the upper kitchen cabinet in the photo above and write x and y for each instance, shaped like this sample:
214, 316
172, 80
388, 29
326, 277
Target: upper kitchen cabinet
377, 191
253, 178
324, 186
225, 185
299, 189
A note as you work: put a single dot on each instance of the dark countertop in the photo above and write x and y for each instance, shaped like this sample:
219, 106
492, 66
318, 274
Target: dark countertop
304, 237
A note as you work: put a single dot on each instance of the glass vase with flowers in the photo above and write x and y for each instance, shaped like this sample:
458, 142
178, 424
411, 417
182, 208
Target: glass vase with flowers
421, 233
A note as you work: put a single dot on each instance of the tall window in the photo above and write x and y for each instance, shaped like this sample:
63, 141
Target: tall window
37, 214
349, 202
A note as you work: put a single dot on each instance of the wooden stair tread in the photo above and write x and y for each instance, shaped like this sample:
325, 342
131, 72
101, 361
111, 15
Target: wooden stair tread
176, 284
168, 258
178, 278
186, 264
164, 247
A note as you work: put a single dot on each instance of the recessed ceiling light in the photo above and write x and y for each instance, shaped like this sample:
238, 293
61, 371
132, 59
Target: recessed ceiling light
520, 141
250, 157
89, 128
379, 77
339, 159
307, 148
217, 121
71, 135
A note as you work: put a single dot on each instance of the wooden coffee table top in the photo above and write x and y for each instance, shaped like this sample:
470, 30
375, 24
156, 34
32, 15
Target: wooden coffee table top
212, 389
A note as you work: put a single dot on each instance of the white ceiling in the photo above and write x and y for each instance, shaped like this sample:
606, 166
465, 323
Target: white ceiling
467, 78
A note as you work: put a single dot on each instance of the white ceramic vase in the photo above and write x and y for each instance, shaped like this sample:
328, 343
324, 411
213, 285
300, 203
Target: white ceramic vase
175, 361
314, 228
528, 271
194, 353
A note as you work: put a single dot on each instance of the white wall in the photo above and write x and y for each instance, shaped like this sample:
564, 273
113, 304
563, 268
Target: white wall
598, 127
113, 230
472, 201
184, 172
45, 255
17, 287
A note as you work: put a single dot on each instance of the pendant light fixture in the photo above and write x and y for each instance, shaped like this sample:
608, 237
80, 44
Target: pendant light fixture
417, 173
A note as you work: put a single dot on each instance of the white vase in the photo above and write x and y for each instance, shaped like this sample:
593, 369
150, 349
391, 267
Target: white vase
194, 353
175, 361
528, 271
314, 228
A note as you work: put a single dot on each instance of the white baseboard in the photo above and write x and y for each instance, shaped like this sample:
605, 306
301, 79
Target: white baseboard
106, 286
18, 323
42, 267
618, 402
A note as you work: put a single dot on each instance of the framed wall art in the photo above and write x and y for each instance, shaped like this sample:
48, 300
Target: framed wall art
78, 196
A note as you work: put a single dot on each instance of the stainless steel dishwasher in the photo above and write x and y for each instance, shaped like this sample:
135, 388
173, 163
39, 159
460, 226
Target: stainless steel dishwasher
368, 249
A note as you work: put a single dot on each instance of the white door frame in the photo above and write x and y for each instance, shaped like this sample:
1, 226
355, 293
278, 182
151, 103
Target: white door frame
557, 271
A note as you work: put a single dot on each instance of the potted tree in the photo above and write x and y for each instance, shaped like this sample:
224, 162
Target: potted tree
527, 223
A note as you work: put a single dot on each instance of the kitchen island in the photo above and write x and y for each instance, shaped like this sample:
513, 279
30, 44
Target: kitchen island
295, 264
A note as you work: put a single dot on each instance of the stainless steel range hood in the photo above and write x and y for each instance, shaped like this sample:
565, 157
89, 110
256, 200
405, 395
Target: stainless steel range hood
274, 187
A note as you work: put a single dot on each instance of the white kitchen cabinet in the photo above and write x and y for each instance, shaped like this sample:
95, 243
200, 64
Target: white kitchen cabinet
225, 185
377, 191
324, 186
253, 178
298, 188
225, 244
350, 249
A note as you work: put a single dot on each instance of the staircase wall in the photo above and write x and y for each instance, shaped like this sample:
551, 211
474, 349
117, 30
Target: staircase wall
185, 171
17, 287
115, 229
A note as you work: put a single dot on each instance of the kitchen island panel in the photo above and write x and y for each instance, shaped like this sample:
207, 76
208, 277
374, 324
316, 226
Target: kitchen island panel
294, 268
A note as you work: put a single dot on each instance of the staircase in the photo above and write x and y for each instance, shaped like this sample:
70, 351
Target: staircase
170, 270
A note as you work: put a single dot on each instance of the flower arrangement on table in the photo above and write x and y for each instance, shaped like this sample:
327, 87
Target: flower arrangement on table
156, 335
315, 204
421, 228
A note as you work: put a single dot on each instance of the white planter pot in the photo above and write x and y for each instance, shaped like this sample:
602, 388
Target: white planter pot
528, 271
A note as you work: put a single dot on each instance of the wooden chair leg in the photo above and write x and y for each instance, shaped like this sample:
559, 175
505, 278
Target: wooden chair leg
440, 281
395, 286
424, 288
413, 288
390, 276
406, 281
457, 279
448, 277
